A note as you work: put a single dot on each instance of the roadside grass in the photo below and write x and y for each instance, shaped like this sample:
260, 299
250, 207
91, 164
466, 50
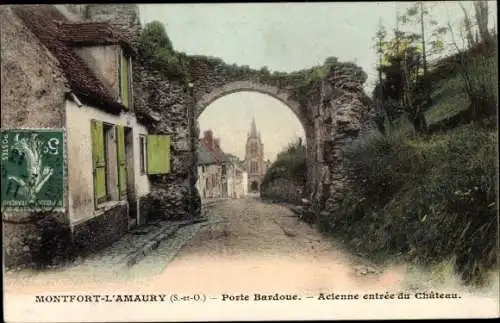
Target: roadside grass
450, 96
425, 199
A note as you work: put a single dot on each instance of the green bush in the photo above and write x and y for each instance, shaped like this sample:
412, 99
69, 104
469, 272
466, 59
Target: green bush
289, 167
432, 199
155, 45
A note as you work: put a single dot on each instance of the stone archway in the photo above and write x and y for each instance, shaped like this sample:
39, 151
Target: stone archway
282, 95
252, 86
333, 112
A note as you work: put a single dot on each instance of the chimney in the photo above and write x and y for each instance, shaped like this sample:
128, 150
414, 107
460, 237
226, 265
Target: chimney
209, 138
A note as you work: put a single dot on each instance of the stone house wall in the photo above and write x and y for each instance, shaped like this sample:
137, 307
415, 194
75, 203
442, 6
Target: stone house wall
80, 178
35, 95
103, 60
210, 181
32, 96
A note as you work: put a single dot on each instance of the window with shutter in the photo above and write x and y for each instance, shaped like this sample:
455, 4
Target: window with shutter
124, 79
158, 150
122, 161
99, 162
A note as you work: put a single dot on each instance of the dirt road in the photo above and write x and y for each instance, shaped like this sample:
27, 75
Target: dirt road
246, 246
254, 246
250, 247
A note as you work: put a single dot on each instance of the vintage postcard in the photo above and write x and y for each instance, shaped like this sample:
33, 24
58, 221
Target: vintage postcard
249, 161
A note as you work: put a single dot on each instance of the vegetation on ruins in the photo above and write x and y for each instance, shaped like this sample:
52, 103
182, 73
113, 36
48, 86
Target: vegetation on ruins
426, 187
155, 45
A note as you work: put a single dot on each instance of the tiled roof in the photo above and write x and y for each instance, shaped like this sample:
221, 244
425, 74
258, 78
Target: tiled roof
225, 157
92, 34
45, 22
211, 155
204, 156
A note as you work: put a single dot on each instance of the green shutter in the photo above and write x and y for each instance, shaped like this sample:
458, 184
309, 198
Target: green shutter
122, 161
158, 147
124, 79
99, 162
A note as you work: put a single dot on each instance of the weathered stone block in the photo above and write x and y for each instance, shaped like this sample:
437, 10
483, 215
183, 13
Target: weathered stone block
38, 242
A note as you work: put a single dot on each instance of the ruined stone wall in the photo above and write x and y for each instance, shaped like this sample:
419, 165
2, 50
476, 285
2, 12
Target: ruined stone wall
212, 79
339, 113
164, 106
342, 113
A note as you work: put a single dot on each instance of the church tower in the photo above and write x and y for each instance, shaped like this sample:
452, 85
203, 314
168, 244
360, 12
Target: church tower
254, 158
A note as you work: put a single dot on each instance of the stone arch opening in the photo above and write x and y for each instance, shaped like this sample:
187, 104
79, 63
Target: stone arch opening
254, 186
283, 96
251, 86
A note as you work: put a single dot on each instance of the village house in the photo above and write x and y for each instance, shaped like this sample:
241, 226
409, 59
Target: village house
70, 84
212, 168
218, 176
240, 177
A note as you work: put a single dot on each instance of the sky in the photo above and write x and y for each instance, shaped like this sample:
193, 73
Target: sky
284, 37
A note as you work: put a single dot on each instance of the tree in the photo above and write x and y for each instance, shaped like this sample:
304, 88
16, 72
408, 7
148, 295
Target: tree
404, 83
419, 14
478, 33
468, 27
265, 71
155, 35
157, 47
380, 113
481, 13
401, 87
478, 72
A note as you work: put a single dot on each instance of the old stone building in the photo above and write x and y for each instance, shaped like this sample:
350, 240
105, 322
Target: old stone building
212, 168
220, 176
239, 186
76, 160
254, 159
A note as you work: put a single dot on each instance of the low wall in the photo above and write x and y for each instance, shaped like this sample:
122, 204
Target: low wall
102, 230
36, 242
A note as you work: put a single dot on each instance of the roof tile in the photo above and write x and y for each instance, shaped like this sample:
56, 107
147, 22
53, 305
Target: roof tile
217, 156
92, 34
45, 22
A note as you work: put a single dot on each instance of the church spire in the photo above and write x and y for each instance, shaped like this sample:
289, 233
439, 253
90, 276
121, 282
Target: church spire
253, 131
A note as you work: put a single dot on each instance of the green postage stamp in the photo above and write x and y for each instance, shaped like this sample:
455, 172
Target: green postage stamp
32, 169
